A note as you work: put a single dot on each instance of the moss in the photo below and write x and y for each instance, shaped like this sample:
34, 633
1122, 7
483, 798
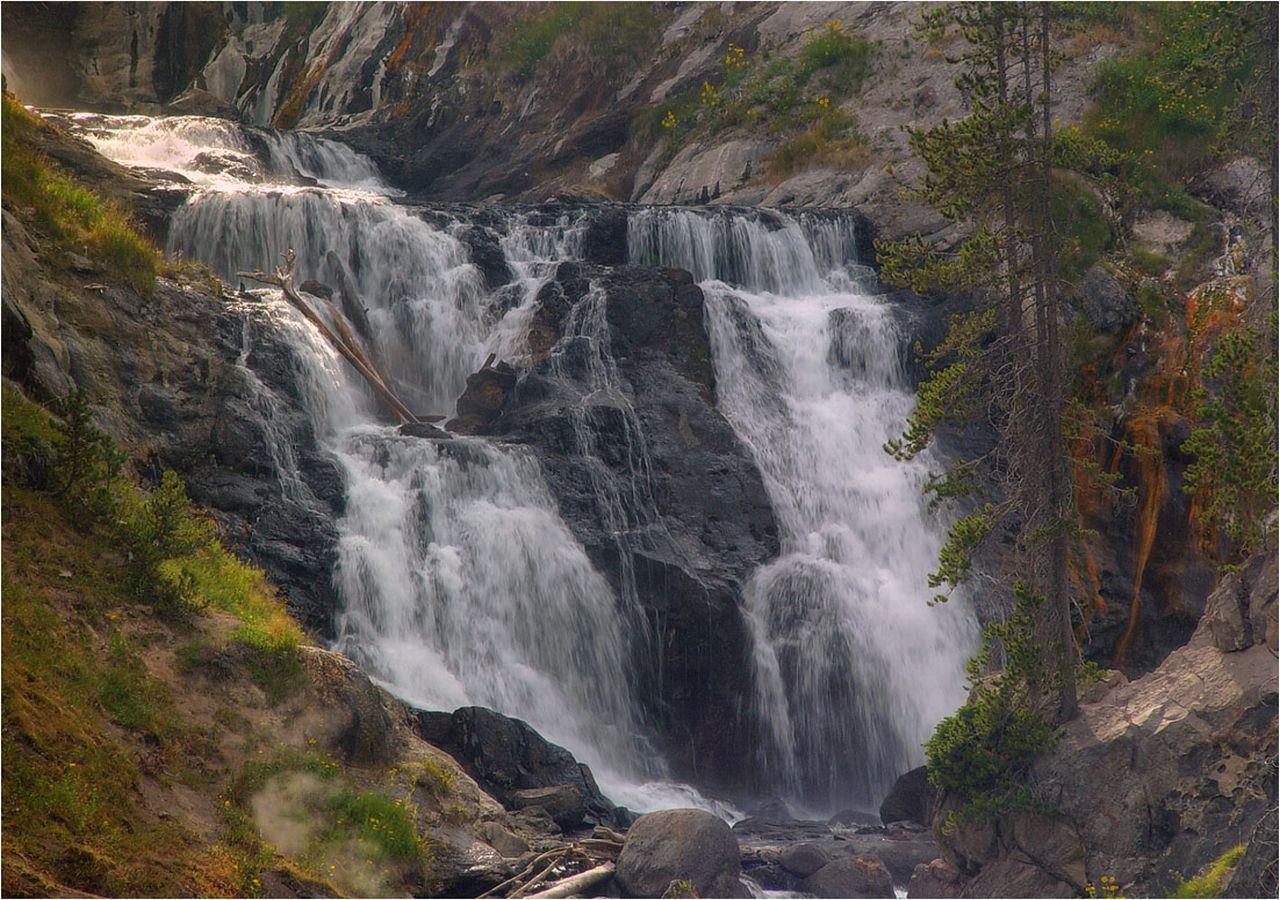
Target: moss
1211, 882
67, 210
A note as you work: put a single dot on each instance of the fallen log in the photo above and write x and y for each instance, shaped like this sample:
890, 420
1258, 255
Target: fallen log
577, 884
540, 877
283, 279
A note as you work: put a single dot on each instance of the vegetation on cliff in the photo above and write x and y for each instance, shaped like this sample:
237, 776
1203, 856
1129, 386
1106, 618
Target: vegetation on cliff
68, 211
1041, 207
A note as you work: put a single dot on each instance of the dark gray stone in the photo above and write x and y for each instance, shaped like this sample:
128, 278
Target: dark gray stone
910, 799
680, 845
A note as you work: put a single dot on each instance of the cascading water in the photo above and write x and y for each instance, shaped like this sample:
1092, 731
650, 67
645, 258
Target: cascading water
461, 584
460, 581
853, 668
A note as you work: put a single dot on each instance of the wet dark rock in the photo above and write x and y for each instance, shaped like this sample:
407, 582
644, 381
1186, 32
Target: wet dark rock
680, 845
423, 430
910, 799
605, 240
516, 765
482, 401
699, 520
486, 254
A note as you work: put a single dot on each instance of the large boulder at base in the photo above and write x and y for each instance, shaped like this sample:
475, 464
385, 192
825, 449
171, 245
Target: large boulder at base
517, 766
850, 877
680, 845
910, 799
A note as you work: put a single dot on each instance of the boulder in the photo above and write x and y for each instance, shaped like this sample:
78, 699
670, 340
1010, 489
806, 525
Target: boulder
565, 804
517, 766
803, 859
509, 845
1105, 302
910, 799
680, 845
850, 877
937, 879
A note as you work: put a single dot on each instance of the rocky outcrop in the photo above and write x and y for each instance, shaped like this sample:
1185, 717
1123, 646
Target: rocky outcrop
1158, 777
675, 846
166, 378
656, 486
519, 767
453, 106
853, 877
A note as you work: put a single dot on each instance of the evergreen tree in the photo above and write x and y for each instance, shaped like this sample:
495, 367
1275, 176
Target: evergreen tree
992, 174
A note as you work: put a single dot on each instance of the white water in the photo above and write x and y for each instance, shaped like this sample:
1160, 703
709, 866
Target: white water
461, 583
853, 668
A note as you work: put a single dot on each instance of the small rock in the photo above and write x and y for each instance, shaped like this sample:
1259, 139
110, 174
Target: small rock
509, 845
423, 430
856, 877
680, 845
562, 802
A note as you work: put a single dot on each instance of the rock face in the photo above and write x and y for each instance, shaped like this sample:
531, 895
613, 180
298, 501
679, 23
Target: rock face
678, 845
519, 767
165, 378
654, 483
1157, 778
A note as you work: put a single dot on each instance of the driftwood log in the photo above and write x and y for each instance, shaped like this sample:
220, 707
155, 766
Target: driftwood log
283, 279
577, 884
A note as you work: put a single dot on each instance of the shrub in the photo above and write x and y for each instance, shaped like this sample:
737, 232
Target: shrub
982, 754
86, 463
608, 31
1212, 882
1234, 443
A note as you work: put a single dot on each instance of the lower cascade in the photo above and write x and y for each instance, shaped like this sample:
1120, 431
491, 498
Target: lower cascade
460, 581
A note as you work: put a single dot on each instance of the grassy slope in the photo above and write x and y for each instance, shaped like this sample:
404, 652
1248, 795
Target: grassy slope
157, 748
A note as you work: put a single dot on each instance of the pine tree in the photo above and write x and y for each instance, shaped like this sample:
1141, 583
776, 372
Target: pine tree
992, 174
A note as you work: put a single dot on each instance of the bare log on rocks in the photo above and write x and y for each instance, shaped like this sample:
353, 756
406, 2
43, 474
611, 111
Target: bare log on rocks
577, 884
283, 279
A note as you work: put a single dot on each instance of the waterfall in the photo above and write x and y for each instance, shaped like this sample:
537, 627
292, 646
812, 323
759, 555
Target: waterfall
460, 582
853, 669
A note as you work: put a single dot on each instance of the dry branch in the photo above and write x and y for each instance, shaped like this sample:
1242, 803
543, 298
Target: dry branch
283, 279
577, 884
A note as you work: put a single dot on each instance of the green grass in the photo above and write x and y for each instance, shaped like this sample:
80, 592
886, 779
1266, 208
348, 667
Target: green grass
1212, 882
607, 31
833, 141
793, 97
374, 817
1081, 226
1169, 104
67, 210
